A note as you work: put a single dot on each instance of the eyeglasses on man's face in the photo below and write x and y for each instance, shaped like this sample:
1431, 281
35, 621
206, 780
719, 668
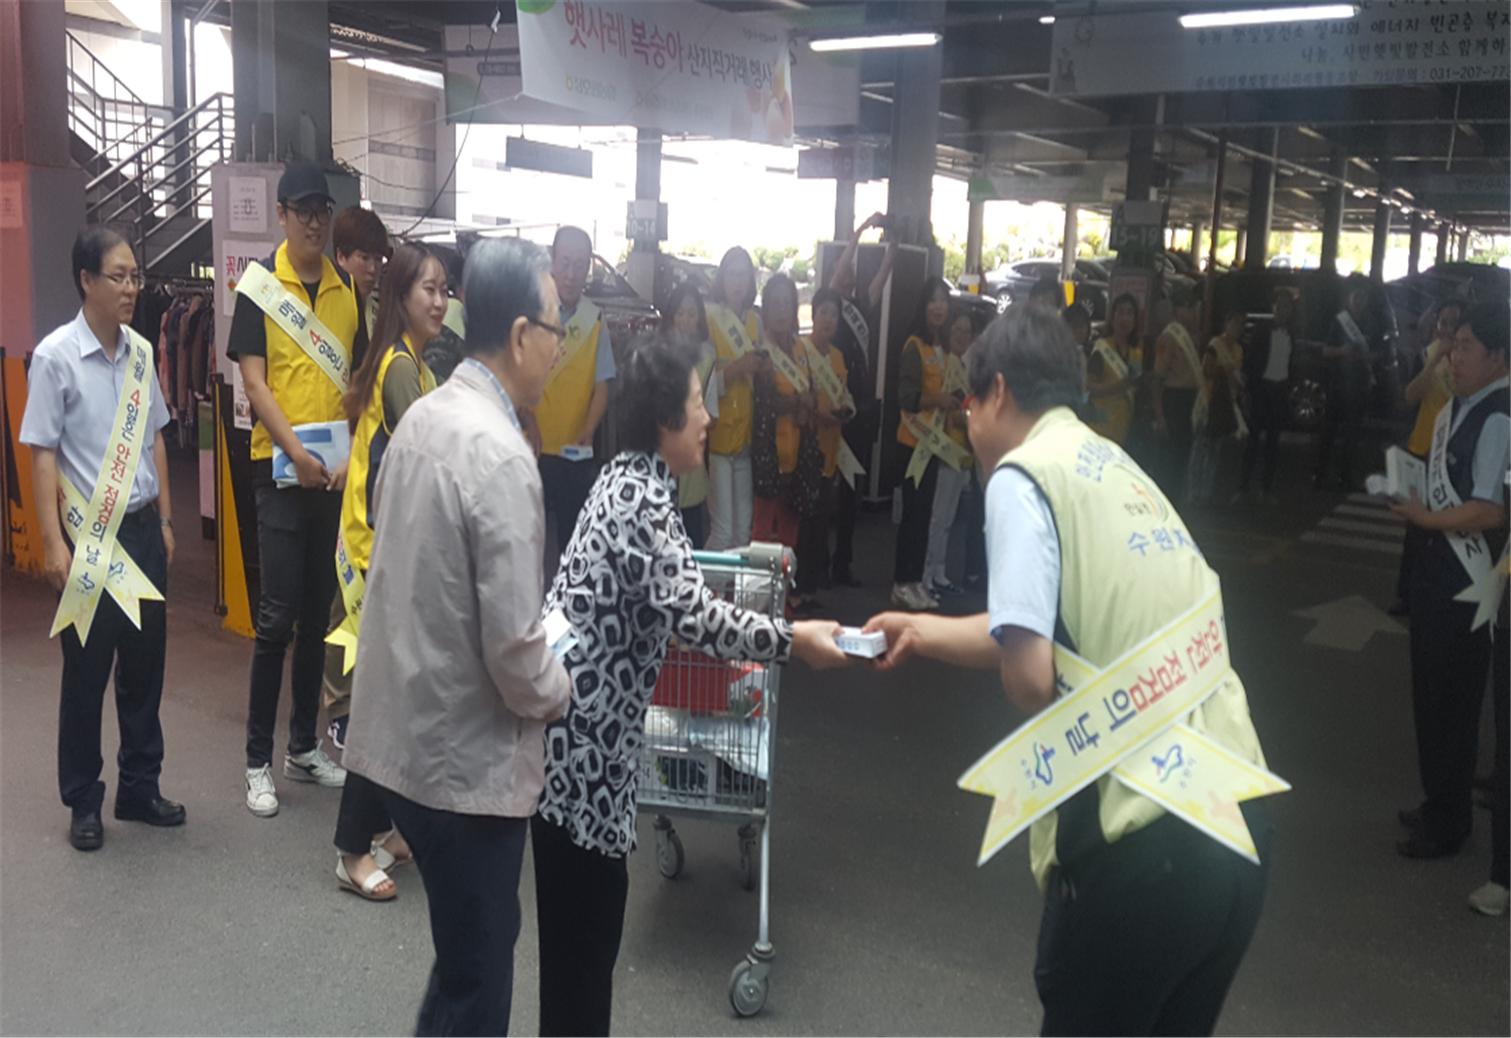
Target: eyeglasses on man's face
555, 329
312, 215
123, 278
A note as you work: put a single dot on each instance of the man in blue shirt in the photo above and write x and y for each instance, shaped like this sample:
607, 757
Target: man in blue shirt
77, 376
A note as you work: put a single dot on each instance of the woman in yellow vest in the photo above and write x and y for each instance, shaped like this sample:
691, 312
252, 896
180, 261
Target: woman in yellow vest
782, 419
392, 377
734, 325
832, 409
684, 324
1113, 369
951, 482
920, 397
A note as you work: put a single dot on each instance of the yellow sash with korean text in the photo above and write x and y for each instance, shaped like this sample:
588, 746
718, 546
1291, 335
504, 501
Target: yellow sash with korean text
1127, 719
839, 394
729, 323
99, 562
353, 591
298, 321
579, 337
933, 441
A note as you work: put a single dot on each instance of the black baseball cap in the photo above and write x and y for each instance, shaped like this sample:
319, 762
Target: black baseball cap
302, 180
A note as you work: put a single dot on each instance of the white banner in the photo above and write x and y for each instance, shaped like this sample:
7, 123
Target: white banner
1385, 44
682, 68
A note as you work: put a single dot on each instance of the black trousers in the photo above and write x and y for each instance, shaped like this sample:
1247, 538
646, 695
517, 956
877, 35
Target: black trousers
1341, 426
846, 505
564, 486
975, 529
470, 866
1267, 412
1500, 803
579, 906
296, 544
136, 657
1146, 936
913, 532
1178, 438
1449, 665
362, 815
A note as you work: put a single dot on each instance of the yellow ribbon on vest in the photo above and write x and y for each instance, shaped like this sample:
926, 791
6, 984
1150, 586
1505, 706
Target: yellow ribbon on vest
1127, 719
94, 523
733, 328
579, 335
124, 579
298, 321
829, 381
353, 591
932, 441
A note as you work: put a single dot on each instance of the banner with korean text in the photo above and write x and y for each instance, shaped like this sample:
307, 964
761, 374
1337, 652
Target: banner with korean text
680, 68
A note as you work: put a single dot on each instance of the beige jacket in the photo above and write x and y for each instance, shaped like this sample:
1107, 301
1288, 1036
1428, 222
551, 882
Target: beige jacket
454, 681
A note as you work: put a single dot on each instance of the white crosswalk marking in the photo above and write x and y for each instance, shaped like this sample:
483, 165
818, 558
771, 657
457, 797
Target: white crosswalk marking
1361, 523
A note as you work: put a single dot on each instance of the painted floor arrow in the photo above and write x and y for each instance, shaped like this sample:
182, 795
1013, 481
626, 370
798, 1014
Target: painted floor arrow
1349, 623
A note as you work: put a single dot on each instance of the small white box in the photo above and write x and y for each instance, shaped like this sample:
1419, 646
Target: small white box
852, 641
576, 452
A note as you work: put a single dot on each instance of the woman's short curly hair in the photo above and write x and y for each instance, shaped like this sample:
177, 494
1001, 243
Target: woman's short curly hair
651, 390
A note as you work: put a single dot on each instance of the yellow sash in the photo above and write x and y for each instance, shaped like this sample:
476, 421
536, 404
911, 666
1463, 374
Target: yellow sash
353, 590
1487, 579
954, 375
932, 440
1127, 719
733, 328
97, 558
829, 381
298, 322
1177, 331
579, 335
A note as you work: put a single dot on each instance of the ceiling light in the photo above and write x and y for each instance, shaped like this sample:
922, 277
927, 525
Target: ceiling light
881, 41
1046, 19
1267, 15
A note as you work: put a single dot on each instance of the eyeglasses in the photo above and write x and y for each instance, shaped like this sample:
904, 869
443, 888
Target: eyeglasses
555, 329
311, 216
134, 278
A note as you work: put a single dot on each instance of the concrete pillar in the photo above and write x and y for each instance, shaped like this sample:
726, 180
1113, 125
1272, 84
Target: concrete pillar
1068, 244
1198, 233
281, 58
175, 53
1261, 203
1414, 256
1238, 245
640, 269
1145, 113
1463, 247
1380, 241
974, 227
1332, 213
844, 209
1217, 186
1443, 233
915, 134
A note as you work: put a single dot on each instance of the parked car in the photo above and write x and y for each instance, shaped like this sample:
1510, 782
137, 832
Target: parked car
1422, 293
1014, 281
625, 313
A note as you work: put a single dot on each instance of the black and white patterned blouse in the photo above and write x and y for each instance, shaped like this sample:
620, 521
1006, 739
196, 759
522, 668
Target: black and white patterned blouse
627, 583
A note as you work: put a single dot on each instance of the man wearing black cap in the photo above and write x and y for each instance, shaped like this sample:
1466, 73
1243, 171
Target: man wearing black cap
296, 333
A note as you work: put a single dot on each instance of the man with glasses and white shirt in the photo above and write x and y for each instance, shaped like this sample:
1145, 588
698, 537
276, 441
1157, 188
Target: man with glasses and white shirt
296, 333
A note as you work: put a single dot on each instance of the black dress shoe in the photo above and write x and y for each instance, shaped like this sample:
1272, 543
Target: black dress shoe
86, 833
1423, 846
1411, 817
157, 811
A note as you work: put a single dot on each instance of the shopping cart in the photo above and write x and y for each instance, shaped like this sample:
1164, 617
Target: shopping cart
710, 733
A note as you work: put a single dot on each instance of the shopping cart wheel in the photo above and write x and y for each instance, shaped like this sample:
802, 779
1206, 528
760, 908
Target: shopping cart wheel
670, 856
747, 987
748, 863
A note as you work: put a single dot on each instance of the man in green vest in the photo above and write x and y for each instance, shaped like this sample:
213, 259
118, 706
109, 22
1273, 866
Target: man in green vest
1104, 624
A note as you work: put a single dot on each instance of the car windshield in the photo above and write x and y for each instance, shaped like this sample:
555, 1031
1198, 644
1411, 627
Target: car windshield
1091, 269
605, 282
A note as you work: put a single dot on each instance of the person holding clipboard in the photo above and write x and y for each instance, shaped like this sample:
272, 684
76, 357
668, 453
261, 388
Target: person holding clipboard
296, 333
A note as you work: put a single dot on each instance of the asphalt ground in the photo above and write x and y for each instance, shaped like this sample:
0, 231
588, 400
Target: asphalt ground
880, 919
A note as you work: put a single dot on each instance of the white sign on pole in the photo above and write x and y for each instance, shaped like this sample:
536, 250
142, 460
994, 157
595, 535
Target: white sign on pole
1386, 44
682, 68
248, 205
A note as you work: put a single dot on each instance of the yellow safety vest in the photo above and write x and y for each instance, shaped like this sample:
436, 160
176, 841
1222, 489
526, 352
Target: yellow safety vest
303, 391
933, 382
1439, 393
1128, 567
369, 441
731, 433
564, 404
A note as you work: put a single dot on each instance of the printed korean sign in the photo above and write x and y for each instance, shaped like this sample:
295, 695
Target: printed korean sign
1388, 43
684, 67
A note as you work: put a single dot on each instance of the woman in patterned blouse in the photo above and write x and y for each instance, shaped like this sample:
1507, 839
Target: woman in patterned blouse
627, 583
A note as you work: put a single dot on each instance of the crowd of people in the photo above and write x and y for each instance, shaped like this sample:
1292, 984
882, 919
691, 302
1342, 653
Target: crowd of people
412, 580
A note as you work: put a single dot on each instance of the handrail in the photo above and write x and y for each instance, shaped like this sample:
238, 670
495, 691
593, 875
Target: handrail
214, 100
75, 41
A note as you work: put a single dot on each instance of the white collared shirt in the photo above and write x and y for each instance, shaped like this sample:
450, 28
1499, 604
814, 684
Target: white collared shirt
72, 393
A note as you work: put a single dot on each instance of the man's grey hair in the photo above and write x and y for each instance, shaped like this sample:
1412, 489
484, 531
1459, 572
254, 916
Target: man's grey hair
567, 231
502, 283
1032, 349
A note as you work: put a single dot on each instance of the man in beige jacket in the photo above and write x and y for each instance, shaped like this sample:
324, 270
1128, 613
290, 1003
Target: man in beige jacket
454, 679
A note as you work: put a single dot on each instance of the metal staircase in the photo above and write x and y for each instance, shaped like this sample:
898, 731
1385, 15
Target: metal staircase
148, 165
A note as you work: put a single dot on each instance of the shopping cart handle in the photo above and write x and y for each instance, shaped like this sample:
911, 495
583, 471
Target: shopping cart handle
758, 555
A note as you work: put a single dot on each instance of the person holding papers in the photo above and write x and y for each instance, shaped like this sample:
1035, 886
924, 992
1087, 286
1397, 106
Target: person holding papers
294, 332
94, 411
1458, 580
1138, 765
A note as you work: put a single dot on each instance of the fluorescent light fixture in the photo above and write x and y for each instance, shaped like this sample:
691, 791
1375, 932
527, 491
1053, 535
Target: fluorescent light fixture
1046, 19
1267, 15
882, 41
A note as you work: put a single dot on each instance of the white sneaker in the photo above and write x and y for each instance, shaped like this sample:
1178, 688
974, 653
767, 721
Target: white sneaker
315, 767
1490, 899
262, 797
